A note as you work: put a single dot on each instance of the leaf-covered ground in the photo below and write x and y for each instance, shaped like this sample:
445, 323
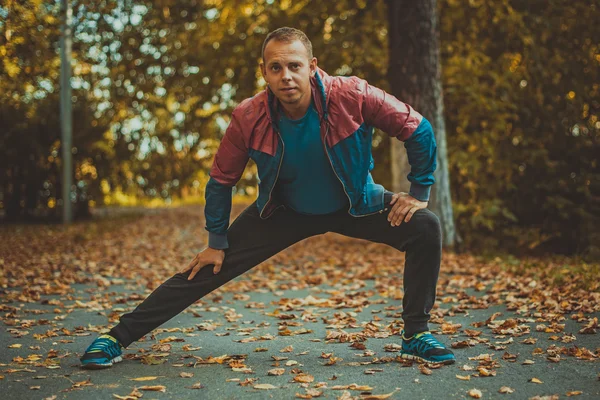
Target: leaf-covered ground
319, 320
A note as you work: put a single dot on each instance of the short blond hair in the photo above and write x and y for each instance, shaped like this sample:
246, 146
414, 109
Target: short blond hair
288, 35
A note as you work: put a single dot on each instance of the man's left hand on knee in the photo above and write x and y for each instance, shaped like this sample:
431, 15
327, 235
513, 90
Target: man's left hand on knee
403, 208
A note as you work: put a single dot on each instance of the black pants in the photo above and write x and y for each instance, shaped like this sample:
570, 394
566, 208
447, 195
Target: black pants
253, 240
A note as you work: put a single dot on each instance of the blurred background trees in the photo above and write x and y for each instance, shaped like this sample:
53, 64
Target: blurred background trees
154, 83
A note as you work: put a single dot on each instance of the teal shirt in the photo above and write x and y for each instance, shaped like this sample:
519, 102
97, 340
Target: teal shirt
307, 183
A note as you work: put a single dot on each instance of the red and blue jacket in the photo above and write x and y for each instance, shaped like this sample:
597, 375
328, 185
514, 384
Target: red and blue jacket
349, 108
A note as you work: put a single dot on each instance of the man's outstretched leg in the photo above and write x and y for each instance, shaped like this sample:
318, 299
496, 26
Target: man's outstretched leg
251, 240
421, 240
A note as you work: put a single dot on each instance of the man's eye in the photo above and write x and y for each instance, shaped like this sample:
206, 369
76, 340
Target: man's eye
295, 66
275, 67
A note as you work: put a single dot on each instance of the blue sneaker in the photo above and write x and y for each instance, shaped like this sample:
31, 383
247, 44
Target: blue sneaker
102, 353
423, 347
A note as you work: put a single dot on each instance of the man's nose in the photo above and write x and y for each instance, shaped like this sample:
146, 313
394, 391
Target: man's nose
286, 75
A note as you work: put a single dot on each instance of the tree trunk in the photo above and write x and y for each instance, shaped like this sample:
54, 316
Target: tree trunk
415, 78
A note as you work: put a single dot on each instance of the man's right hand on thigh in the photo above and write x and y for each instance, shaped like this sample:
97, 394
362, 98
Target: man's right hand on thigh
208, 256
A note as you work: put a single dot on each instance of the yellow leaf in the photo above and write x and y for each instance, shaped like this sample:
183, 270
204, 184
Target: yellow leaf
535, 380
475, 393
145, 378
377, 396
157, 388
574, 393
15, 346
464, 377
264, 386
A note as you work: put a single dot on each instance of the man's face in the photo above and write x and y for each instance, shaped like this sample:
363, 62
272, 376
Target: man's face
287, 69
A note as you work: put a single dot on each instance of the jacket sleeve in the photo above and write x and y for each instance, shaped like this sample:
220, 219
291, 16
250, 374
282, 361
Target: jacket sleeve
400, 120
228, 166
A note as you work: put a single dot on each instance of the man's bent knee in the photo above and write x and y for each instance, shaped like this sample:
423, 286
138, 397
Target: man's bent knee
427, 225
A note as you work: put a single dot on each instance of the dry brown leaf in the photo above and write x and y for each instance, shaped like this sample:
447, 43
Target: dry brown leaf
332, 361
156, 388
460, 345
186, 374
464, 377
574, 393
506, 390
591, 327
264, 386
377, 396
196, 385
475, 393
424, 370
247, 381
486, 372
144, 378
304, 378
276, 371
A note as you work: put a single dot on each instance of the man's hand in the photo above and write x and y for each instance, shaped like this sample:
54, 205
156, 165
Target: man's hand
205, 257
404, 206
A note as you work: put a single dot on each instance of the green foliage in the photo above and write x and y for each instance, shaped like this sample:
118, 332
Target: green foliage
521, 95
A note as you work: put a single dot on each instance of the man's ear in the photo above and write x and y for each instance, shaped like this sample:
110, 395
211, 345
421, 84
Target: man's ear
313, 66
262, 69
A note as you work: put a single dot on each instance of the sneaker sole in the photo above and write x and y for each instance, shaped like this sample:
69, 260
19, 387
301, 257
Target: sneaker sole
424, 360
109, 364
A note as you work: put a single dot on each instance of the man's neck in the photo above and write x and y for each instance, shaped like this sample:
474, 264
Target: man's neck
296, 111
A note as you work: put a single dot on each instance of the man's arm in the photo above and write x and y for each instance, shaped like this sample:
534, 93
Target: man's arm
228, 166
400, 120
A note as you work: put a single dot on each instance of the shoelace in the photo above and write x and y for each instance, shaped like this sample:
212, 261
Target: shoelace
426, 342
105, 345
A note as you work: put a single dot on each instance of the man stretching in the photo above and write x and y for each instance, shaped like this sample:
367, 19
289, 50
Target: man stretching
310, 136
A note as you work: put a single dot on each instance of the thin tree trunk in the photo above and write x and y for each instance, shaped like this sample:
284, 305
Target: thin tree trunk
415, 78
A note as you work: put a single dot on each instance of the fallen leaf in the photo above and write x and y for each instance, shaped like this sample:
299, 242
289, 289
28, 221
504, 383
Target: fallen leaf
276, 371
535, 380
424, 370
506, 389
353, 386
377, 396
264, 386
260, 349
157, 388
574, 393
475, 393
145, 378
247, 381
134, 395
196, 385
304, 378
464, 377
186, 374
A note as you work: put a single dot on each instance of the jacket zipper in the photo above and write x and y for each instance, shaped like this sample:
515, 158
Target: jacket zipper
342, 183
276, 177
